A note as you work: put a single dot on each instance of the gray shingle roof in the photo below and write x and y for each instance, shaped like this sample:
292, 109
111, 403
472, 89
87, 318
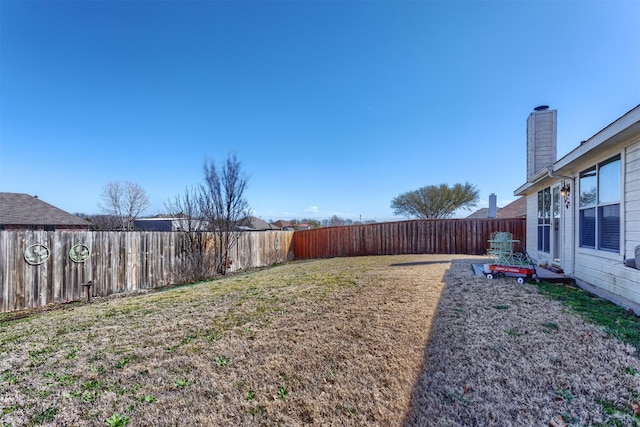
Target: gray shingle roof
23, 209
256, 224
515, 209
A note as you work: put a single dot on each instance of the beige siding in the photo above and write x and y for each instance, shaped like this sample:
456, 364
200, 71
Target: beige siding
609, 278
632, 199
532, 226
568, 239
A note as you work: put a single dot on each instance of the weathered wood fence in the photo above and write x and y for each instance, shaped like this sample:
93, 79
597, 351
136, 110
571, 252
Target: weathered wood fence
115, 262
440, 236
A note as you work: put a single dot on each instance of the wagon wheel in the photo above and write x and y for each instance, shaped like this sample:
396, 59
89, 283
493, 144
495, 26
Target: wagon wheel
520, 280
489, 276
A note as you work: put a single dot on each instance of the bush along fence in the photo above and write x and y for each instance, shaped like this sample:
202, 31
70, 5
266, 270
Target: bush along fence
43, 267
438, 236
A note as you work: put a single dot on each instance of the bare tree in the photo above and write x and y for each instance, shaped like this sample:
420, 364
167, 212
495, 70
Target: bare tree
216, 206
223, 205
195, 249
125, 200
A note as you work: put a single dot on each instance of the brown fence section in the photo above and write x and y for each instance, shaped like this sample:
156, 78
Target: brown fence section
440, 236
115, 262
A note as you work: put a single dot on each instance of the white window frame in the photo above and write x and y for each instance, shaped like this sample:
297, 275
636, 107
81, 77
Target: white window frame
596, 206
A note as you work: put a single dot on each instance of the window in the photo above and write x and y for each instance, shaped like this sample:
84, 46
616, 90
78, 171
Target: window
544, 220
599, 204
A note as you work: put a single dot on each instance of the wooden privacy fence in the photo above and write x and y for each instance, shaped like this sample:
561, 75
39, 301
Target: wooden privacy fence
43, 267
438, 236
129, 261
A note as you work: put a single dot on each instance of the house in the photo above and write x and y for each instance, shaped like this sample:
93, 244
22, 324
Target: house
19, 211
162, 222
252, 223
583, 210
515, 209
283, 225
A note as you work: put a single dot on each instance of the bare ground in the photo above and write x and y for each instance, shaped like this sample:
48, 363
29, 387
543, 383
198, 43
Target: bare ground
384, 341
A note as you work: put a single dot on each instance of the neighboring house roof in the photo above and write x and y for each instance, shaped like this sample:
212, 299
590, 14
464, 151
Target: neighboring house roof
515, 209
169, 222
480, 213
24, 209
256, 224
282, 224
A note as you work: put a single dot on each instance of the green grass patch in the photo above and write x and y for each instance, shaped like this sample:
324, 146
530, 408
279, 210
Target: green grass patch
620, 415
616, 321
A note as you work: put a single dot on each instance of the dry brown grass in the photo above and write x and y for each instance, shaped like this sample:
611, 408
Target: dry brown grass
501, 354
329, 342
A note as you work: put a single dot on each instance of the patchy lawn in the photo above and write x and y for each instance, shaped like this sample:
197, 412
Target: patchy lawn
502, 354
410, 340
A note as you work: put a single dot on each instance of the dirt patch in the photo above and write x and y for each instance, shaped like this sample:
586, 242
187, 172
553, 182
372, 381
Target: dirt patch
391, 340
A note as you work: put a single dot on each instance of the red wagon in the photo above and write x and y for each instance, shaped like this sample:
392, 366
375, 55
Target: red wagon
519, 271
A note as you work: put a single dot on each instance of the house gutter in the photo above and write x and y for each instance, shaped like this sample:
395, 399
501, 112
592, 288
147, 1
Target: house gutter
573, 217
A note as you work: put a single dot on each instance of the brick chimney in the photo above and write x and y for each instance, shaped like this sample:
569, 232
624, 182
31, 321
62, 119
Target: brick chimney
541, 139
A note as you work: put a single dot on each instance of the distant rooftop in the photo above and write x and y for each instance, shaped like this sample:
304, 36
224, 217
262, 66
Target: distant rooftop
515, 209
24, 209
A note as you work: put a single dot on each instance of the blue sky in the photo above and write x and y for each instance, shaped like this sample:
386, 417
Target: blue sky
333, 107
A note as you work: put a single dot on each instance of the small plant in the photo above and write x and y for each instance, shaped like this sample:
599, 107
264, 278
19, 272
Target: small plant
569, 419
99, 369
73, 354
73, 394
214, 337
630, 370
221, 360
340, 409
123, 362
282, 392
147, 398
182, 383
117, 420
89, 396
8, 410
513, 332
188, 339
565, 395
45, 416
92, 385
259, 410
9, 378
501, 307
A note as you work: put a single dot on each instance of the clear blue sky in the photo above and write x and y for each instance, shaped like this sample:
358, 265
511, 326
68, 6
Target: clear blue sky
333, 107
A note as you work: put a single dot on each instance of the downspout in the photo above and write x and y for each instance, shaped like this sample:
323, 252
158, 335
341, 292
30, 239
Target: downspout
573, 216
